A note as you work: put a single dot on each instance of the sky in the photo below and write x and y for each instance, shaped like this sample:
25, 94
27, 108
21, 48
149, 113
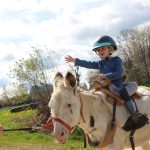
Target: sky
65, 26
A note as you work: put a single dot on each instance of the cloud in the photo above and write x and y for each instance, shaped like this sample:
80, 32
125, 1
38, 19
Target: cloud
8, 57
10, 52
144, 3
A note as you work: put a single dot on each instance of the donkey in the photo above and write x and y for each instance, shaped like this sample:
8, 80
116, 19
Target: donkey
91, 112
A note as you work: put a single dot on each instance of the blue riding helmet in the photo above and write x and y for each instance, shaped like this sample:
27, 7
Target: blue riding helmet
104, 41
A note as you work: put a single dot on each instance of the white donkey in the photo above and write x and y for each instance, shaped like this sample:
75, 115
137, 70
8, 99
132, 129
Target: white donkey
70, 108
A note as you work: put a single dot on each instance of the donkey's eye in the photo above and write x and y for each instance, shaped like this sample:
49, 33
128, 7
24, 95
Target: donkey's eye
70, 108
69, 105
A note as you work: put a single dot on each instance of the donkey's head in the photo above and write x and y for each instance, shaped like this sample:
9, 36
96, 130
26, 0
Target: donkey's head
65, 106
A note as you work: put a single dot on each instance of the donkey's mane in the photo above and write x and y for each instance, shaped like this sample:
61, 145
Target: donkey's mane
92, 96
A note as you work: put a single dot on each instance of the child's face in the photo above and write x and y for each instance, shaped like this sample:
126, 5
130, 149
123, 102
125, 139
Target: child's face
103, 52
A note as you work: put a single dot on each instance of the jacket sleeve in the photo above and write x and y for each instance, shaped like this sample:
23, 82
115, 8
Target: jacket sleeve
86, 64
118, 71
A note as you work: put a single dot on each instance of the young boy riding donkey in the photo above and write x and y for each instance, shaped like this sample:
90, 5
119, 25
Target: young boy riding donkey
111, 68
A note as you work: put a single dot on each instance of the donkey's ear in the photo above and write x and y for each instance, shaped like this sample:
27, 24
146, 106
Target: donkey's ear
70, 80
58, 79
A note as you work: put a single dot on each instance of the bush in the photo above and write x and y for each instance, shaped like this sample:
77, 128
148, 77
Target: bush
78, 134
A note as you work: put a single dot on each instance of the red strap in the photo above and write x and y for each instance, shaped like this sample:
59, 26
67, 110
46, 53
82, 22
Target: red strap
63, 123
48, 125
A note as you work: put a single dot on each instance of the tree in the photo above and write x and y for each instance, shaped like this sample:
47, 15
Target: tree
135, 48
36, 72
4, 94
18, 92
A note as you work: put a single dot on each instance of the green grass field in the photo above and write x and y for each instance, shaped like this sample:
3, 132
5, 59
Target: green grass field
25, 140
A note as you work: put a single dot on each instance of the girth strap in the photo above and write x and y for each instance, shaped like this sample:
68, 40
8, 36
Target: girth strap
113, 122
132, 140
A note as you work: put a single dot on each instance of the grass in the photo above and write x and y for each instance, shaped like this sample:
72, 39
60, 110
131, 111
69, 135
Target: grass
39, 141
148, 85
25, 140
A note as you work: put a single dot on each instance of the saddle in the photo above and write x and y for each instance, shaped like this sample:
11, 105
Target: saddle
111, 97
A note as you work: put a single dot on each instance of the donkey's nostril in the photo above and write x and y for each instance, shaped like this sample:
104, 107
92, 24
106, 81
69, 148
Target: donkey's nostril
62, 134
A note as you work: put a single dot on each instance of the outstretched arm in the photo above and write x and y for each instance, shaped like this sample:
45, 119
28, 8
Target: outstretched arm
82, 63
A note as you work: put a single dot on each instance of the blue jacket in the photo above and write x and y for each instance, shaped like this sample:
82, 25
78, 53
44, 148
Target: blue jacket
111, 67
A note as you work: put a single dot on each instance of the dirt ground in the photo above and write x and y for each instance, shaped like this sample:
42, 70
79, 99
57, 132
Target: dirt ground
40, 147
30, 147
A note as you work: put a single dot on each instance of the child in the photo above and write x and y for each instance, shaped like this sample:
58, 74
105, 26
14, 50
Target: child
110, 67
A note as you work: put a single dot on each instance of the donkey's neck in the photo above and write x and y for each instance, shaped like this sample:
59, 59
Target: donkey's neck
95, 114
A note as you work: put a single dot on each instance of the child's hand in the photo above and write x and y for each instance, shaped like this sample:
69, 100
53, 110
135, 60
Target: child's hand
102, 76
1, 128
68, 58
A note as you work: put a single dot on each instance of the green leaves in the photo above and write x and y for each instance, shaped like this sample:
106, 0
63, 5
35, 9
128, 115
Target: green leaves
34, 70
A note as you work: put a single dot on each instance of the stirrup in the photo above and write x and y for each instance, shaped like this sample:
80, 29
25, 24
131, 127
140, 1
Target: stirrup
131, 125
135, 117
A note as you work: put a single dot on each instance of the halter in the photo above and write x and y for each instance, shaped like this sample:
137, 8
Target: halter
68, 127
49, 123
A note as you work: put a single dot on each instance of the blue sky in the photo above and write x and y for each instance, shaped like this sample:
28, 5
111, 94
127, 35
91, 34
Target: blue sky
71, 25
